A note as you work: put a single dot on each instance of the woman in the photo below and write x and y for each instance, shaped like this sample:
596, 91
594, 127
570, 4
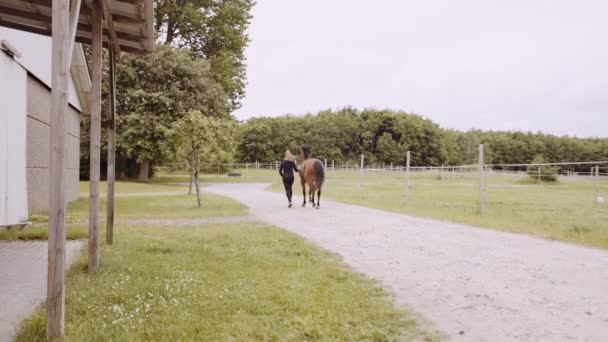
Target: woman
288, 166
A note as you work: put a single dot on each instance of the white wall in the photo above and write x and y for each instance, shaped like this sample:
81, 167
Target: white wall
13, 129
36, 57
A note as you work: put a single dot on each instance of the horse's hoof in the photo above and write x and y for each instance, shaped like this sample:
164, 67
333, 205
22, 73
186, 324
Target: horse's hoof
303, 205
317, 207
289, 206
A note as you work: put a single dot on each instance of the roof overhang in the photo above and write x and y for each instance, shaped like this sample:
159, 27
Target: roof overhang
128, 24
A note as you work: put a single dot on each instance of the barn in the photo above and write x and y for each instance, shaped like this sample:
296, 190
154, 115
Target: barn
25, 118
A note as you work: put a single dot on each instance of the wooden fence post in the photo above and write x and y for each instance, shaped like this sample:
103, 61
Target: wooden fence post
111, 147
597, 184
481, 185
361, 172
407, 178
95, 141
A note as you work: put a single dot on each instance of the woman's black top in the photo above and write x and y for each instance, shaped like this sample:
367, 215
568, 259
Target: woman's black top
287, 168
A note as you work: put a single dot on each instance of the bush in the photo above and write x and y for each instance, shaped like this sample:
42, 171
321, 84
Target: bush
547, 173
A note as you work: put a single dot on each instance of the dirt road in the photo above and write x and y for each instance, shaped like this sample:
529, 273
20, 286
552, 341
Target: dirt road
472, 284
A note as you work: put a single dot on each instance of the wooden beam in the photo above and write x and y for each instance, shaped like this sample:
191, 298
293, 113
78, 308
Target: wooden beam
81, 36
111, 148
74, 16
110, 23
119, 8
41, 17
57, 171
95, 137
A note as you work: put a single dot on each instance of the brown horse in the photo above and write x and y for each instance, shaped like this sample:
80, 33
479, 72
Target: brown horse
313, 174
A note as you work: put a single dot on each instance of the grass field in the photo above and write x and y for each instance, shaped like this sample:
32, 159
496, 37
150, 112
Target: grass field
132, 200
214, 282
563, 211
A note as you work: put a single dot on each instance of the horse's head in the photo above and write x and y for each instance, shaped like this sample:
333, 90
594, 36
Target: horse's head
305, 152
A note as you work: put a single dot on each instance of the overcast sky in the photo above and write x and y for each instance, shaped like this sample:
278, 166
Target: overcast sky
490, 64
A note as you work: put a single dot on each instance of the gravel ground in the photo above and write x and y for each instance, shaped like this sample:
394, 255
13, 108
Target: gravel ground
472, 284
23, 269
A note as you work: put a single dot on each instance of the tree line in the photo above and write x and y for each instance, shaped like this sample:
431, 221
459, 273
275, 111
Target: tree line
385, 136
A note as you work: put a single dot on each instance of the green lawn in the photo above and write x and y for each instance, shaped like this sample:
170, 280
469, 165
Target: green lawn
214, 282
140, 200
132, 200
231, 282
247, 176
563, 211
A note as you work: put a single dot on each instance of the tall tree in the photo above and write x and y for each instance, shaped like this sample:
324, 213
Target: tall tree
211, 29
159, 88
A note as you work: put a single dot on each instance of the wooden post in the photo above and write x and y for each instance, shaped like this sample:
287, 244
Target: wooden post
61, 57
333, 165
407, 178
597, 184
325, 164
539, 176
361, 171
481, 185
111, 147
94, 156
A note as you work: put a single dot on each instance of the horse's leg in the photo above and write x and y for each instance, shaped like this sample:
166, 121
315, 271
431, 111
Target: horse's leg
311, 193
319, 198
304, 193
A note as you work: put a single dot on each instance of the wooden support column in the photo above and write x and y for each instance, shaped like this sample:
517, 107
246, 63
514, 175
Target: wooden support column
61, 57
111, 147
95, 153
57, 198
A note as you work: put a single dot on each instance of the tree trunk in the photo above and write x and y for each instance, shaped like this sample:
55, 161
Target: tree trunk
170, 33
191, 180
198, 190
122, 167
144, 169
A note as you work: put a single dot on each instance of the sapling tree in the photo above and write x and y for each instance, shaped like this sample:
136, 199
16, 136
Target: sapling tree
542, 173
198, 139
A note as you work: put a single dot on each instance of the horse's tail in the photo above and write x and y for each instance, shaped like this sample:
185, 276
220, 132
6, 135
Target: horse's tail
319, 174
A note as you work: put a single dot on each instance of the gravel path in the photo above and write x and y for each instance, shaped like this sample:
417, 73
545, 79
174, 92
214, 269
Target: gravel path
472, 284
23, 268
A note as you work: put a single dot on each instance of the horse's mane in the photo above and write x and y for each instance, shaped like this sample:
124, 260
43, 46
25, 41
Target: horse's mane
305, 151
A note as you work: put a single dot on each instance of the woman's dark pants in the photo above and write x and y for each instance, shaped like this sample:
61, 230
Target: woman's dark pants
288, 183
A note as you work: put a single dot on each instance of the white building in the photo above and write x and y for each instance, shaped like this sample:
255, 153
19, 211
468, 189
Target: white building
25, 94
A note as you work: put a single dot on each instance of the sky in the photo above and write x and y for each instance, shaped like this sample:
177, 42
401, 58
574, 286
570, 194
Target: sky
530, 65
